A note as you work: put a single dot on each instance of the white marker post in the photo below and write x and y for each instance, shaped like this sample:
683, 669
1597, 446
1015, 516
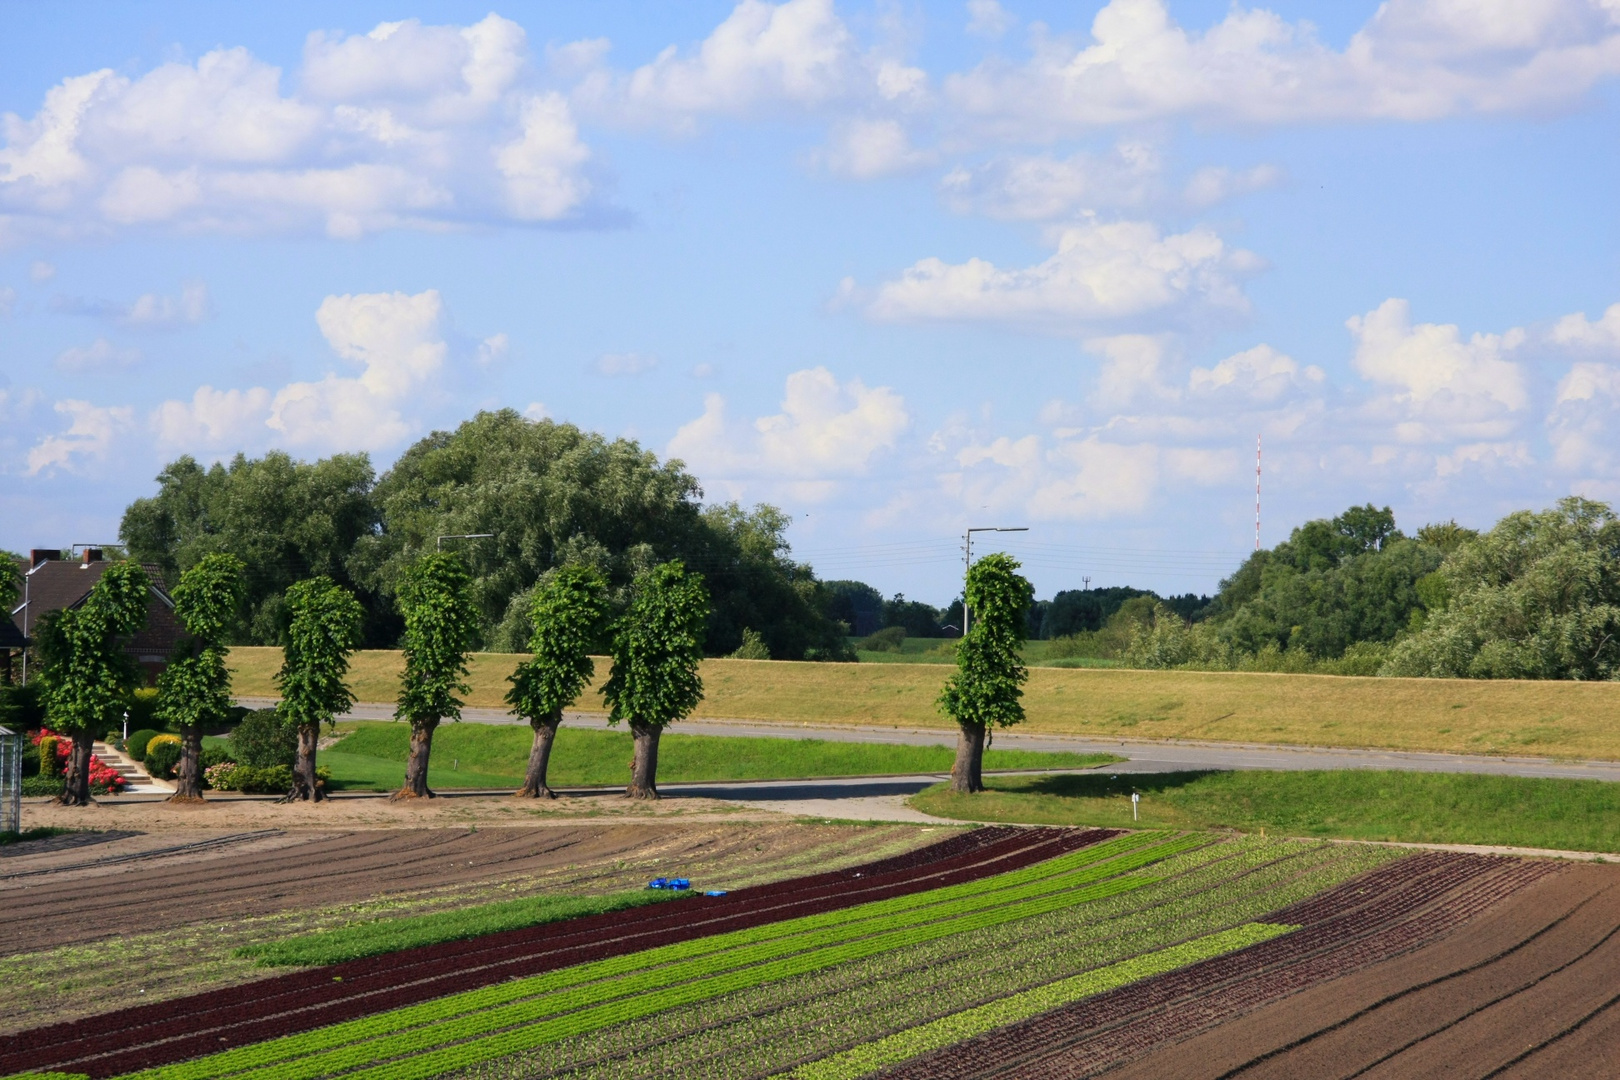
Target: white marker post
1135, 799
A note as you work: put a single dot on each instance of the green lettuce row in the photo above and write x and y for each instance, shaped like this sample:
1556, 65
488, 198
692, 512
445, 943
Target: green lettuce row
729, 950
936, 984
541, 1022
904, 1045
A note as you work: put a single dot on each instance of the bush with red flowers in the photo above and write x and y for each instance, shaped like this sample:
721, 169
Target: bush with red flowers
54, 751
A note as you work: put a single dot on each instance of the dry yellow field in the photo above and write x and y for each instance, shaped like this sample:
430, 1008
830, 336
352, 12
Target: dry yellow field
1553, 719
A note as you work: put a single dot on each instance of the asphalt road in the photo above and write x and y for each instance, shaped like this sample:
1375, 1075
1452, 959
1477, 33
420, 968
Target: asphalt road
1145, 756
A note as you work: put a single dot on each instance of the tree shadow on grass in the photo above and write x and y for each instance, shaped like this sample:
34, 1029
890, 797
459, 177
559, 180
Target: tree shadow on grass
1098, 785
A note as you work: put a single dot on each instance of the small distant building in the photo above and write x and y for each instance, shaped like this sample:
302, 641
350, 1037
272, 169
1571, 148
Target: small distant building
53, 583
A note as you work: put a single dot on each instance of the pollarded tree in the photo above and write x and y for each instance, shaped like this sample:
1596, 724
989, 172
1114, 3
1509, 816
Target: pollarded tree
656, 649
984, 692
92, 677
567, 611
441, 625
194, 691
325, 629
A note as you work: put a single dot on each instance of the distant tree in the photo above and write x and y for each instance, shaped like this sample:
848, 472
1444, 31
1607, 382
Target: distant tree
1537, 597
567, 611
286, 520
11, 579
91, 675
323, 631
983, 694
194, 690
1074, 611
919, 619
855, 604
1448, 536
441, 627
656, 649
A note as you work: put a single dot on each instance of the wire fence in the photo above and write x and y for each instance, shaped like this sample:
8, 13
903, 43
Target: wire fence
11, 755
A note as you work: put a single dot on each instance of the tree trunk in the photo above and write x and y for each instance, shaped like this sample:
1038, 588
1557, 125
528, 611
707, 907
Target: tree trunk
416, 767
534, 781
77, 791
967, 774
305, 786
188, 774
644, 766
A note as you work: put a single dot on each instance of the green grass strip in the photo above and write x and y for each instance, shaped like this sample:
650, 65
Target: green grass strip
885, 924
391, 935
46, 1075
904, 1045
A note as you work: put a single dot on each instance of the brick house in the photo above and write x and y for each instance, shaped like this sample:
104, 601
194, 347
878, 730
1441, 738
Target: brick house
53, 583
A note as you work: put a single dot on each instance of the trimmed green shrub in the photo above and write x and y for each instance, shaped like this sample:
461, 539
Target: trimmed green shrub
262, 740
161, 758
889, 639
33, 786
50, 760
253, 780
135, 745
215, 755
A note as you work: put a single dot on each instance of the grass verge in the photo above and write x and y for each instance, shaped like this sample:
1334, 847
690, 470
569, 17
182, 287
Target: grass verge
1444, 808
1548, 718
391, 935
372, 756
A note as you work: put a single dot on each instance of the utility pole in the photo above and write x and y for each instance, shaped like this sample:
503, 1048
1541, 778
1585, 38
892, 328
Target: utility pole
967, 562
1086, 581
1257, 493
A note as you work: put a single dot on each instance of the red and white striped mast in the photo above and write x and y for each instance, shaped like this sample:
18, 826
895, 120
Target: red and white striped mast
1257, 493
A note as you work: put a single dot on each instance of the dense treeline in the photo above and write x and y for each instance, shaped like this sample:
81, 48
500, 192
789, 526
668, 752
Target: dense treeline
1536, 597
551, 495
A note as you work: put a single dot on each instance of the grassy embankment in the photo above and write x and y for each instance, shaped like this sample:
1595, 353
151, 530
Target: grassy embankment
372, 757
1567, 815
943, 651
1556, 719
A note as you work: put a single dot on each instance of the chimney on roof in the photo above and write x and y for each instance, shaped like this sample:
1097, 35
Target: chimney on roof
40, 555
91, 555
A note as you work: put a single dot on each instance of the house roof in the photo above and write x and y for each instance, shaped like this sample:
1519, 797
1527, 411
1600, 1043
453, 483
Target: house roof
10, 636
57, 583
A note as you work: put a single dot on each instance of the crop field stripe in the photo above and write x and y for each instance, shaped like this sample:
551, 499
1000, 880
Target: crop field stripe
748, 950
901, 1046
718, 961
920, 969
184, 1028
1356, 924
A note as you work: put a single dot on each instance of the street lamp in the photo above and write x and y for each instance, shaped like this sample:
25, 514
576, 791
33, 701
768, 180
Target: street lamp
967, 560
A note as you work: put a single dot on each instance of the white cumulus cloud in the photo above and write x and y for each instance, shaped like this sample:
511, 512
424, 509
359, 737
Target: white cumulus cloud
90, 433
406, 126
1099, 272
826, 431
99, 355
1414, 60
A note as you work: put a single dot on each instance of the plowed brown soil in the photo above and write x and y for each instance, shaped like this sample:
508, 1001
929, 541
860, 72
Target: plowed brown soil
133, 883
1525, 989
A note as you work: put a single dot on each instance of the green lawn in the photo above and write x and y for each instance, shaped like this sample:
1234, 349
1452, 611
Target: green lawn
1569, 815
372, 757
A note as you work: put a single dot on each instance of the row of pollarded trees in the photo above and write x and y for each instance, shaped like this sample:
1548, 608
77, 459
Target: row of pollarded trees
656, 646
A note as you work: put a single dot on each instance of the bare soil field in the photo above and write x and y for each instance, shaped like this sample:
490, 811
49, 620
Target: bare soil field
1500, 716
100, 920
1527, 989
1435, 969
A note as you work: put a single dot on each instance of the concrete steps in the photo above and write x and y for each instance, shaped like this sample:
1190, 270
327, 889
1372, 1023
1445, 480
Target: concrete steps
139, 781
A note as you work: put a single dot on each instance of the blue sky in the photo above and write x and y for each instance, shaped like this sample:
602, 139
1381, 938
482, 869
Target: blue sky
896, 268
